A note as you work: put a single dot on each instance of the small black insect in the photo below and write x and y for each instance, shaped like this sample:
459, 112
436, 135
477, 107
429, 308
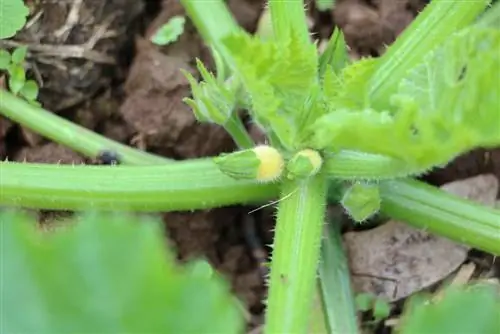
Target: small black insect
108, 158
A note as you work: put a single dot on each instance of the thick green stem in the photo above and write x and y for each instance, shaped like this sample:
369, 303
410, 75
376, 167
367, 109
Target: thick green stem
432, 27
69, 134
424, 206
154, 188
353, 165
295, 257
213, 21
335, 284
287, 15
237, 130
186, 185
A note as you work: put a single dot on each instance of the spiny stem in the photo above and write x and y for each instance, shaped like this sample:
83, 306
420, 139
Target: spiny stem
190, 185
427, 207
295, 255
69, 134
335, 283
353, 165
432, 27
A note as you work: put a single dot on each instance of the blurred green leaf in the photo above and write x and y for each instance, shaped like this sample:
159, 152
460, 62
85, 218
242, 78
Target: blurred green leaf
17, 78
324, 5
381, 309
19, 55
469, 309
169, 32
13, 15
30, 90
364, 301
104, 274
4, 59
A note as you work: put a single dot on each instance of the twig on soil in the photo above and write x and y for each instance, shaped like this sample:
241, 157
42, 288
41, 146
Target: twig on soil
84, 51
34, 19
72, 19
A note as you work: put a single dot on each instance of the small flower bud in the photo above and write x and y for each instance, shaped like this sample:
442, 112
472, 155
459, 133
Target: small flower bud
262, 163
213, 101
304, 164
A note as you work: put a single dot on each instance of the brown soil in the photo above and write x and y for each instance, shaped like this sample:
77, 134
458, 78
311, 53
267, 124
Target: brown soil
129, 90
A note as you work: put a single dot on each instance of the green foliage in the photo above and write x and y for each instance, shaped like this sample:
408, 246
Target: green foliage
468, 309
450, 99
13, 64
105, 274
13, 14
324, 5
213, 101
361, 201
280, 80
380, 308
170, 31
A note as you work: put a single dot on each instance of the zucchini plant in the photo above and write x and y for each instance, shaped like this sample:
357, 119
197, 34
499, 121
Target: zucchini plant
351, 133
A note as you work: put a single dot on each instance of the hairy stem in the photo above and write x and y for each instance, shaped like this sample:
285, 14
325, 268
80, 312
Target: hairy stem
295, 255
287, 15
353, 165
213, 21
424, 206
335, 284
190, 185
69, 134
432, 27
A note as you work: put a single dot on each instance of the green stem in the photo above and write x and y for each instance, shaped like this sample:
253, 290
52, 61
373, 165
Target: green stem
190, 185
335, 284
432, 27
424, 206
287, 15
213, 21
237, 130
295, 255
353, 165
69, 134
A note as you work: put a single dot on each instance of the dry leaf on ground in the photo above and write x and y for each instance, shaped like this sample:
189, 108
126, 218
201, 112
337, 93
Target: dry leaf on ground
395, 260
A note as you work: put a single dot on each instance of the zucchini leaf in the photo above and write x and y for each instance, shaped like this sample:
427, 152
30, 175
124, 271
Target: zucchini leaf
104, 274
445, 106
278, 79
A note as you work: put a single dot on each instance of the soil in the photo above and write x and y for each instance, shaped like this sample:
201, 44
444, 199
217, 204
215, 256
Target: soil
120, 85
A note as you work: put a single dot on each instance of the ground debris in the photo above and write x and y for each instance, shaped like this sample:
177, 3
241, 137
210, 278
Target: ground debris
395, 260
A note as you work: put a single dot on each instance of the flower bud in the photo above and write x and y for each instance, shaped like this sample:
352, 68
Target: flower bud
262, 163
303, 164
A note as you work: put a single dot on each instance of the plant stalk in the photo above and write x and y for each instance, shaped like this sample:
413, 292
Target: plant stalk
353, 165
287, 15
444, 214
335, 284
189, 185
439, 20
236, 129
213, 21
295, 257
154, 188
76, 137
